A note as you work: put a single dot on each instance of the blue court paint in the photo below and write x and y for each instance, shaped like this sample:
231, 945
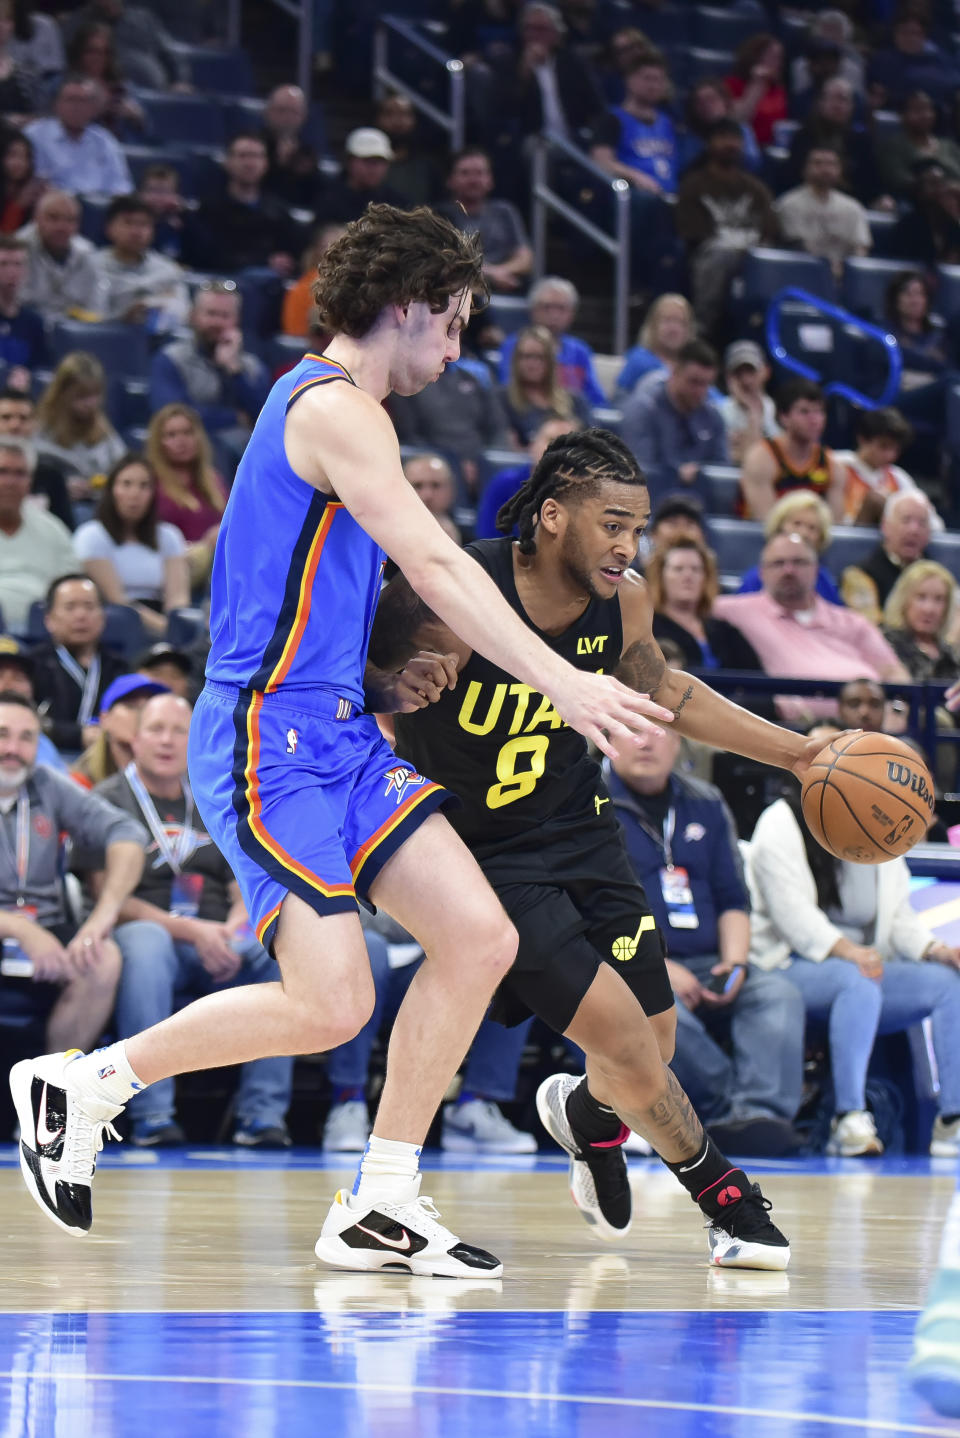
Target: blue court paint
549, 1161
430, 1373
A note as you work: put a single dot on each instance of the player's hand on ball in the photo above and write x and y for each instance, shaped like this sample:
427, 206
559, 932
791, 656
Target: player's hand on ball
812, 747
423, 679
606, 712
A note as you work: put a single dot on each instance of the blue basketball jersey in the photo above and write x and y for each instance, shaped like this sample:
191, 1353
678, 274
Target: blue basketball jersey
295, 579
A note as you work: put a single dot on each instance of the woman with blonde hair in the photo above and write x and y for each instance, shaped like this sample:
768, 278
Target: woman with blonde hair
72, 427
533, 392
918, 617
190, 492
668, 324
804, 513
682, 582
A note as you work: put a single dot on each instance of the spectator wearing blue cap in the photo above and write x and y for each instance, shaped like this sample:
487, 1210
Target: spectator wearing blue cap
112, 750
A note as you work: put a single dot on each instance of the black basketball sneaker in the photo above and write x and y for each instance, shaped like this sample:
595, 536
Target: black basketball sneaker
739, 1234
60, 1137
599, 1184
407, 1236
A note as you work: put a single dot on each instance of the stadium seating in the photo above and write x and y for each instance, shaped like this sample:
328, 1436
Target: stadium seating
121, 349
865, 284
767, 270
183, 119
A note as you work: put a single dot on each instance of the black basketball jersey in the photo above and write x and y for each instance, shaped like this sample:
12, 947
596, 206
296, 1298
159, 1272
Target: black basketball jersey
502, 747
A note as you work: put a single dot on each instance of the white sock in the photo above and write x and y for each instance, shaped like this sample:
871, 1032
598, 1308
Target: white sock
388, 1169
106, 1075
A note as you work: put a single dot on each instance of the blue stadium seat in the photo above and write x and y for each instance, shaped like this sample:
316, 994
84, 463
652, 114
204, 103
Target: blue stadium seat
183, 119
128, 402
666, 26
723, 29
183, 626
124, 631
140, 157
282, 352
121, 349
947, 298
945, 548
509, 312
93, 210
695, 64
721, 483
736, 542
881, 224
242, 112
225, 72
766, 270
36, 630
850, 544
784, 131
865, 284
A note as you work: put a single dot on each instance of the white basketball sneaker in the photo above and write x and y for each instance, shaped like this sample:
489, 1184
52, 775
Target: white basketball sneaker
599, 1185
406, 1236
60, 1137
854, 1136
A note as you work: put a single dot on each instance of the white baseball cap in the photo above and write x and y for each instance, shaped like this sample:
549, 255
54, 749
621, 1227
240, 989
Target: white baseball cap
369, 144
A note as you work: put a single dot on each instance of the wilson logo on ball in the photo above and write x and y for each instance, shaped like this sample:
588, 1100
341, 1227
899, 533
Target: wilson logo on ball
906, 777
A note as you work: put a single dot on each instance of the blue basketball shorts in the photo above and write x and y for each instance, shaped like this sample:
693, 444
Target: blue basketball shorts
299, 800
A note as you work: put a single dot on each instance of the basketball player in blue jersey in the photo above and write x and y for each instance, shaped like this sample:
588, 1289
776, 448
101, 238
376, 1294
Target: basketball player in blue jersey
293, 780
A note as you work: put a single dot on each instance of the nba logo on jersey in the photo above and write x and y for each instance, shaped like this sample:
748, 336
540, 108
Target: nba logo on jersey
399, 780
293, 739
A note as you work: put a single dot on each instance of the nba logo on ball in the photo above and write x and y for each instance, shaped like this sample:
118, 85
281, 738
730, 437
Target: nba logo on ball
868, 798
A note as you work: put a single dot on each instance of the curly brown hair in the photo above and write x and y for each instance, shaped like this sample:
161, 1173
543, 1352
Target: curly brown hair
395, 257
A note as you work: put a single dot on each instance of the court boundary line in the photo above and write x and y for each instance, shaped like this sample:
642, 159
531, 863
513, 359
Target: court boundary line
879, 1425
452, 1312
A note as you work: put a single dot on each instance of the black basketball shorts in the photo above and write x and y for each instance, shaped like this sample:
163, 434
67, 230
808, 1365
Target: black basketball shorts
576, 904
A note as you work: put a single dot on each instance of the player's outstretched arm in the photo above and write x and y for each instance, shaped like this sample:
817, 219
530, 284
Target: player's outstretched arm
346, 446
700, 712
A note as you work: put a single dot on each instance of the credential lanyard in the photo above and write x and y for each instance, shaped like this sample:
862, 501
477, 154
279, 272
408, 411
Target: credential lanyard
175, 856
663, 840
21, 858
87, 679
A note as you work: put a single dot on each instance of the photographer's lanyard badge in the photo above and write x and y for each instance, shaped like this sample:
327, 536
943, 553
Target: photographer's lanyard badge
186, 889
14, 963
675, 882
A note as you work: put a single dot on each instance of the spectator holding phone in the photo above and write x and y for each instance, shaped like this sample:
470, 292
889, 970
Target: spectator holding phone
683, 847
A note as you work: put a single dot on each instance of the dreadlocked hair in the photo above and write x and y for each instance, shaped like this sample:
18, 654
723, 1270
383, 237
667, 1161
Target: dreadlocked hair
580, 461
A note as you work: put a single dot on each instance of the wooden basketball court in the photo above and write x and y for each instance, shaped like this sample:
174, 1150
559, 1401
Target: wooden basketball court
195, 1307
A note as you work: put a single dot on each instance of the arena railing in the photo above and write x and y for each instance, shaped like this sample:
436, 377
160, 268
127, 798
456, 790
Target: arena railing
888, 346
922, 700
550, 148
301, 11
452, 120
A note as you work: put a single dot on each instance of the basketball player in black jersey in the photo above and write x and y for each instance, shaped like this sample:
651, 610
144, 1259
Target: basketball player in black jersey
535, 815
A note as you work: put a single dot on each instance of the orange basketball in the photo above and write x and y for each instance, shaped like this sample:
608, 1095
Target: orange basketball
867, 798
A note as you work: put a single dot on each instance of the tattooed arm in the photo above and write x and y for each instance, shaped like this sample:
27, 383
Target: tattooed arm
699, 711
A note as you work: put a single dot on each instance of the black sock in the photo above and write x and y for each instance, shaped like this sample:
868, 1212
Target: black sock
591, 1121
710, 1178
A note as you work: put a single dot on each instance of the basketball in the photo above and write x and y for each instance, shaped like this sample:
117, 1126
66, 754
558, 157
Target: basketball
867, 798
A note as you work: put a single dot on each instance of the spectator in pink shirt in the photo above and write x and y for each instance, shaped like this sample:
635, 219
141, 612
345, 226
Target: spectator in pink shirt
797, 633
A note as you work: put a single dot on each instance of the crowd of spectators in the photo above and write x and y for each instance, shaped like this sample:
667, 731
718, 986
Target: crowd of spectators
150, 290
